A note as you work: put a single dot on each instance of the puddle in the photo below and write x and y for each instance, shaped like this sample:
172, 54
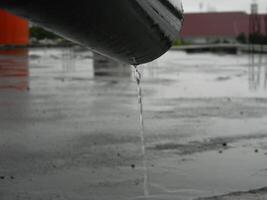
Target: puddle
212, 172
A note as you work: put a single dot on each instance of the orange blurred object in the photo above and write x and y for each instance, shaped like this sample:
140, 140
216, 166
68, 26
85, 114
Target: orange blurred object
13, 30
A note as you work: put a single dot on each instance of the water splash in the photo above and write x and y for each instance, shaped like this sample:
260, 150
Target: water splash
138, 77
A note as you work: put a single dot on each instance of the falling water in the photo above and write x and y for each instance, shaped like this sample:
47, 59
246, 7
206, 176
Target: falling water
137, 76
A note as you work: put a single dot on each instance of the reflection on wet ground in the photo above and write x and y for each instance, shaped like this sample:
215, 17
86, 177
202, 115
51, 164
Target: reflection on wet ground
106, 67
14, 69
257, 72
67, 133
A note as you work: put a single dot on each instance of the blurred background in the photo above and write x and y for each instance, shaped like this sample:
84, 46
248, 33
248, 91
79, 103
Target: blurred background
69, 118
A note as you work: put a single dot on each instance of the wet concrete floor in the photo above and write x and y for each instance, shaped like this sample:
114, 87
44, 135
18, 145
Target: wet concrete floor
68, 134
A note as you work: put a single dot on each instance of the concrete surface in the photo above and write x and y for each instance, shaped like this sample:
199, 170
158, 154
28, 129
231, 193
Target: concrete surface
66, 134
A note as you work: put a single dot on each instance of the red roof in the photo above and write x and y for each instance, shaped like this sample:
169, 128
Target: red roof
214, 24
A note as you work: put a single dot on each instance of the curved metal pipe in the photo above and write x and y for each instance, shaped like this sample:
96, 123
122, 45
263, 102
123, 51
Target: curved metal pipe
132, 31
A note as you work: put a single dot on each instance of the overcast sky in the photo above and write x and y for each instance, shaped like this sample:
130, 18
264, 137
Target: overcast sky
222, 5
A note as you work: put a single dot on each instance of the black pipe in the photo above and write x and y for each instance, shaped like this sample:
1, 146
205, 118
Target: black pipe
132, 31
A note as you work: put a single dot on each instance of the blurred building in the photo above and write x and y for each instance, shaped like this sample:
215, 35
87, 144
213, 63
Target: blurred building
216, 27
14, 30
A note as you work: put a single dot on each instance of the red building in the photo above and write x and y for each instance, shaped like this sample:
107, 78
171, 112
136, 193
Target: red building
13, 30
216, 26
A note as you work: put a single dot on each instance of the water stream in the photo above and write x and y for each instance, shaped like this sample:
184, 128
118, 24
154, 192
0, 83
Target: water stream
137, 76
